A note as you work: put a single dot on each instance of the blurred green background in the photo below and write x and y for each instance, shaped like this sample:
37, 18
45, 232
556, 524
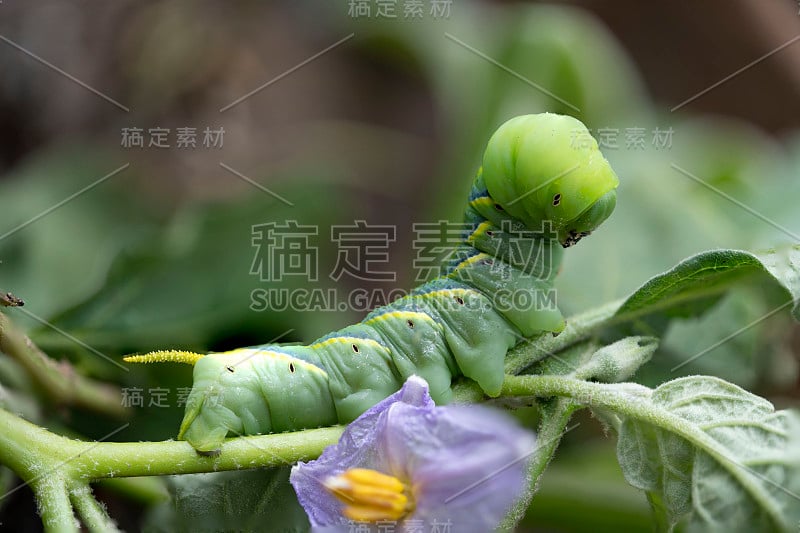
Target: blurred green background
368, 117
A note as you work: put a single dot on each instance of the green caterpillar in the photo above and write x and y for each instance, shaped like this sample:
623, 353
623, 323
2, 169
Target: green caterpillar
533, 183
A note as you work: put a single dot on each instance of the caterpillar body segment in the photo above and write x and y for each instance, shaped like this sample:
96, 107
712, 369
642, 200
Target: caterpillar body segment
514, 293
418, 346
528, 251
253, 391
534, 195
361, 370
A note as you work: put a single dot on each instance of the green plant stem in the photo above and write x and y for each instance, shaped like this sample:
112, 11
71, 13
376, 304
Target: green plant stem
555, 417
93, 514
178, 457
59, 381
59, 469
23, 443
55, 507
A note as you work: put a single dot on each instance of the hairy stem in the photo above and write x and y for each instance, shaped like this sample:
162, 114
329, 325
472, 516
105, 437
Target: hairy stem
93, 515
59, 381
23, 444
178, 457
55, 508
553, 425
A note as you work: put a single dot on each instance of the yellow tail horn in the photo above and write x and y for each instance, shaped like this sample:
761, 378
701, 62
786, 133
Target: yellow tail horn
165, 356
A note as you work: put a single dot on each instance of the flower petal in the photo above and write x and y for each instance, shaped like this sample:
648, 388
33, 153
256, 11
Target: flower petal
361, 445
465, 464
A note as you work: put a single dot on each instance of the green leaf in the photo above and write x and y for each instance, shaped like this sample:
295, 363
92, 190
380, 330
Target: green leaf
687, 290
721, 344
192, 286
735, 340
695, 283
730, 463
613, 363
619, 361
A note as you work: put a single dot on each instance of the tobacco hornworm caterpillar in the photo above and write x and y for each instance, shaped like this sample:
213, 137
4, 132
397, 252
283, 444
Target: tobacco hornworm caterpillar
533, 183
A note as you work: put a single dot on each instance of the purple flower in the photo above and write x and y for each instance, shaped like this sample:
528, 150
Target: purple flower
416, 465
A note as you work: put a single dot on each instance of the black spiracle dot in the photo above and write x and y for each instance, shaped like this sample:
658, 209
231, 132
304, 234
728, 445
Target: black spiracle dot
355, 348
498, 207
291, 368
460, 300
229, 369
490, 233
410, 323
557, 199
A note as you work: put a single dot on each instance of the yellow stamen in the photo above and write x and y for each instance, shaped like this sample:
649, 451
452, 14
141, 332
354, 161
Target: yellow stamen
370, 496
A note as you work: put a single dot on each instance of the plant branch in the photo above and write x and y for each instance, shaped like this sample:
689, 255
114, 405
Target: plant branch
55, 508
93, 515
553, 425
59, 381
23, 444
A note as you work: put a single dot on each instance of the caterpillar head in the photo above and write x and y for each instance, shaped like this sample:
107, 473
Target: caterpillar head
547, 167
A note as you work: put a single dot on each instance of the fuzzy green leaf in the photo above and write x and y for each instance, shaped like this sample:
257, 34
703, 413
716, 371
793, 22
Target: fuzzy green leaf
733, 464
695, 283
687, 290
